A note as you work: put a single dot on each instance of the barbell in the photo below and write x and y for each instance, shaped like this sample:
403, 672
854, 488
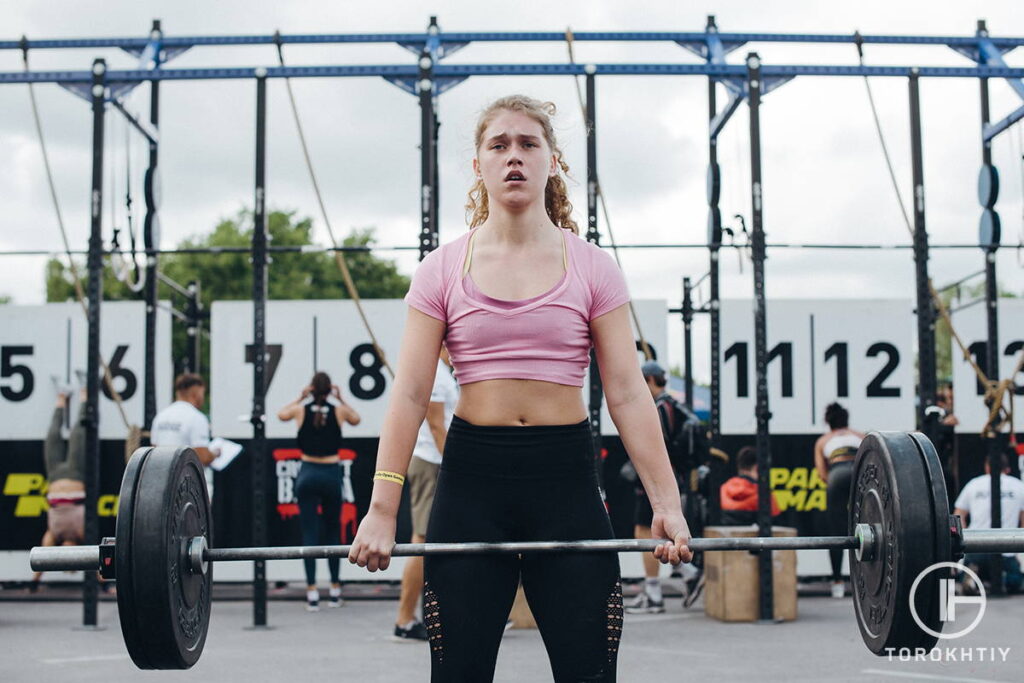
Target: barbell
161, 555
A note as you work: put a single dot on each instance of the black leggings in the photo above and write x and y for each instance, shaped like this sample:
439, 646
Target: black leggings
319, 486
64, 459
840, 482
508, 484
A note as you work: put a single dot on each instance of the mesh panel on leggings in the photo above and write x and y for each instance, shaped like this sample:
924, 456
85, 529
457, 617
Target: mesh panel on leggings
432, 620
614, 612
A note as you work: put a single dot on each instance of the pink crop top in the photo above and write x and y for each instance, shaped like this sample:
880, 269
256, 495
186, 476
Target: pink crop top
546, 337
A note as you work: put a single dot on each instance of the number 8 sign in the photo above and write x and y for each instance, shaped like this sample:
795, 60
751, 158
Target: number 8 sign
857, 352
302, 338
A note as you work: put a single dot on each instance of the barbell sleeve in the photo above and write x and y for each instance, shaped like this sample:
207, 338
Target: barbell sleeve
993, 541
64, 558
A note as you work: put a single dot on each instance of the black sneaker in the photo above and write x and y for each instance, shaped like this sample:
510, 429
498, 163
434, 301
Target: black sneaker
417, 631
645, 604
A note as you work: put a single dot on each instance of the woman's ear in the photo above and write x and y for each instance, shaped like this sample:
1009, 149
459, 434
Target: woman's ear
476, 167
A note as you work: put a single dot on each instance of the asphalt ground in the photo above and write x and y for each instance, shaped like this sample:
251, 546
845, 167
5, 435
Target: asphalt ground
40, 643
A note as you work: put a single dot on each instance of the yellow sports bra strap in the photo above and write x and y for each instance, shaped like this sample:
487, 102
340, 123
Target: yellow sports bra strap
469, 255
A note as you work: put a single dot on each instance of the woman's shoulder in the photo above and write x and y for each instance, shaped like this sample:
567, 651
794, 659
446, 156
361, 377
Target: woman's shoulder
587, 253
447, 255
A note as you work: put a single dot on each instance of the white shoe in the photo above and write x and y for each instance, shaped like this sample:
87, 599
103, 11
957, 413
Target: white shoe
313, 601
839, 590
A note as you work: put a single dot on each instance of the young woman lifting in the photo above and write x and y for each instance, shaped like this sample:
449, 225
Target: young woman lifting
519, 301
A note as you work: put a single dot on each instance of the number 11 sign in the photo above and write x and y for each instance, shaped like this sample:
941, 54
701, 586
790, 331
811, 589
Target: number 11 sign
857, 352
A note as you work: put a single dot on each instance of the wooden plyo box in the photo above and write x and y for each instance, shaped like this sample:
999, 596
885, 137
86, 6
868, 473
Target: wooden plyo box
731, 588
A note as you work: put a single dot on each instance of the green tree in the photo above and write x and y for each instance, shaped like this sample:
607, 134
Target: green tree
5, 299
228, 276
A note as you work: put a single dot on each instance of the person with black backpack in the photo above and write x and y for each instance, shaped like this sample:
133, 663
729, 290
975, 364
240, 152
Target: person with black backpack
684, 440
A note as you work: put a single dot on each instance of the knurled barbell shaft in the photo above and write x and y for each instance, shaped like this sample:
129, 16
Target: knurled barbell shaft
66, 558
84, 557
615, 545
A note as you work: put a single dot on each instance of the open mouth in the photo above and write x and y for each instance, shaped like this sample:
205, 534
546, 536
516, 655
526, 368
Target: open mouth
514, 176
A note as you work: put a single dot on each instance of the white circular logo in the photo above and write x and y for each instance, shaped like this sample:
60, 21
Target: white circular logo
948, 600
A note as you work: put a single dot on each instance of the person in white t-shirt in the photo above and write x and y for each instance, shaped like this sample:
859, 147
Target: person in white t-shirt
422, 478
974, 506
183, 424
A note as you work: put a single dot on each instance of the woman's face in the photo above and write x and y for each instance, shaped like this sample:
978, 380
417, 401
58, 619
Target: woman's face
514, 160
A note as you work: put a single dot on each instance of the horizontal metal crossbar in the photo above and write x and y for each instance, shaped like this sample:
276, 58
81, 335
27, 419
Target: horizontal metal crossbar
524, 36
447, 71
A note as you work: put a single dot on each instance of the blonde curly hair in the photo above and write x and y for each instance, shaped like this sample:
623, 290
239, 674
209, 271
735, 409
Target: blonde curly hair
556, 194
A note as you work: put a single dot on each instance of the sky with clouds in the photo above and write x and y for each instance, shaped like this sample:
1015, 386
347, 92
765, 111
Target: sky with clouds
824, 174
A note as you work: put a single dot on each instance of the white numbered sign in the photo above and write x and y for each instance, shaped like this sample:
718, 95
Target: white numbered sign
857, 352
972, 326
42, 346
305, 336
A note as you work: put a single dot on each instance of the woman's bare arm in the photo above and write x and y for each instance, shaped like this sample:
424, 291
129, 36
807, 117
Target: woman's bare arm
632, 407
417, 363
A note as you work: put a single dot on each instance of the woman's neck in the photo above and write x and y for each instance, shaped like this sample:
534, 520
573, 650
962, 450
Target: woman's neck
519, 227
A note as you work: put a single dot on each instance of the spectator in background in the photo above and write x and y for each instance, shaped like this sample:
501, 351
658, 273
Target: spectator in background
318, 484
65, 471
943, 434
183, 424
738, 494
834, 453
974, 506
683, 437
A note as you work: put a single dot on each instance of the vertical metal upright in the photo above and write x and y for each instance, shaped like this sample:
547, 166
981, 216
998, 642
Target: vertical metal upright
593, 236
764, 456
714, 246
94, 294
995, 441
194, 313
428, 159
926, 363
150, 240
259, 356
688, 342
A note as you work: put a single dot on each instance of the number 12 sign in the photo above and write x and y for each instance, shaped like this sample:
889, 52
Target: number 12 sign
857, 352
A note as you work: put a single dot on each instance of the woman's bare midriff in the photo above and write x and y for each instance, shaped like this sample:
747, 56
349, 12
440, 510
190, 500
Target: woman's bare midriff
520, 402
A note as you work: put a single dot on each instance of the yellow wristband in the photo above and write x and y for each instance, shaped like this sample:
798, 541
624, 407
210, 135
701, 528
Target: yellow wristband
389, 476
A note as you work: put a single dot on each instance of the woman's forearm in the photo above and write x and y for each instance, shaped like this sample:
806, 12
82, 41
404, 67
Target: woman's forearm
397, 439
637, 421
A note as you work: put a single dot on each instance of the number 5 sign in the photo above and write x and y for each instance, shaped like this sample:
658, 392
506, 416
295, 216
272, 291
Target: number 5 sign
42, 347
857, 352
